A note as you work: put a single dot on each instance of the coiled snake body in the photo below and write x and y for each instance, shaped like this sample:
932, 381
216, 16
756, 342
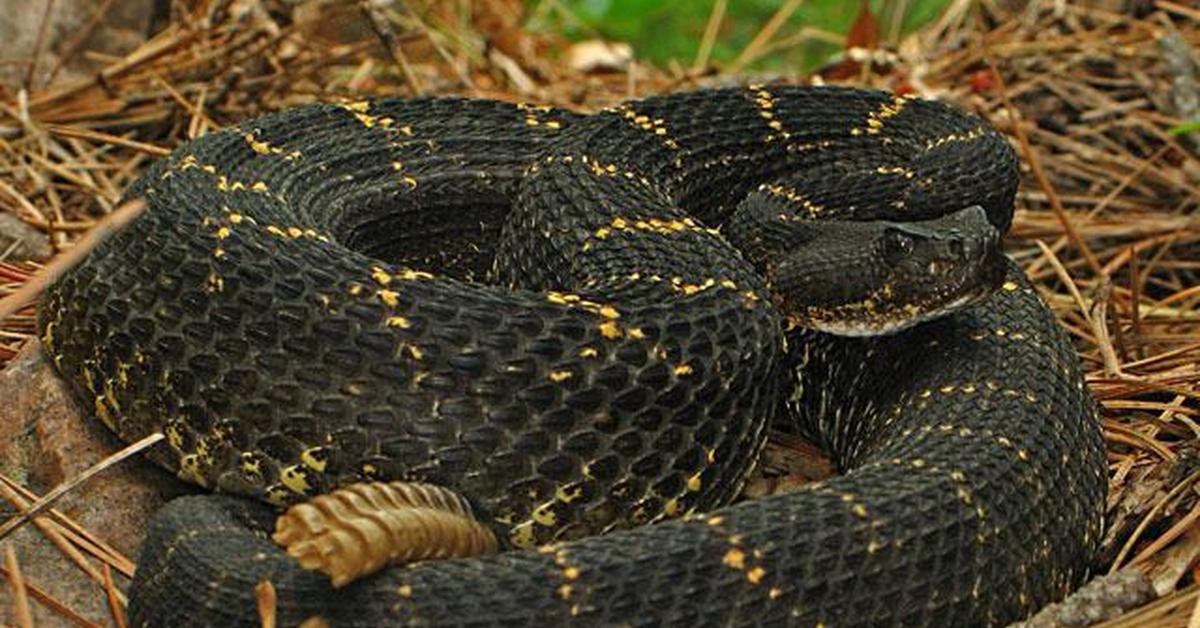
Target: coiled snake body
272, 314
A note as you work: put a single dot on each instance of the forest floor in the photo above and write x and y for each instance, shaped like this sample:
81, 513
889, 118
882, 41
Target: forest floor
1097, 102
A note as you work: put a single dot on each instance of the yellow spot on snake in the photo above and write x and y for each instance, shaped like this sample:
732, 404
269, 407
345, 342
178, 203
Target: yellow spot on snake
684, 369
694, 483
545, 515
409, 274
568, 494
215, 283
588, 352
295, 479
900, 170
174, 436
405, 590
756, 575
609, 329
398, 322
103, 413
189, 470
560, 376
380, 275
390, 297
311, 459
735, 558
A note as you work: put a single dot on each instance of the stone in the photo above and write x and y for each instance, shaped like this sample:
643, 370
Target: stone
124, 26
21, 242
44, 440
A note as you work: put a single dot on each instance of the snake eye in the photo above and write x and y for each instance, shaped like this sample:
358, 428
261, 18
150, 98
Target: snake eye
897, 245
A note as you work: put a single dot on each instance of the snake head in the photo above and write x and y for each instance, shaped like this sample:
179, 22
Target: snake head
866, 278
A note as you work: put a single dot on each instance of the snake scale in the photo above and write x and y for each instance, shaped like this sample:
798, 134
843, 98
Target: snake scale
273, 314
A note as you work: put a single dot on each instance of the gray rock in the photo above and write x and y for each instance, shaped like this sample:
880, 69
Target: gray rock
22, 242
124, 26
44, 440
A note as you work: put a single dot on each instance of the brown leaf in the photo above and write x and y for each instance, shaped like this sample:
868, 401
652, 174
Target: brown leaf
864, 33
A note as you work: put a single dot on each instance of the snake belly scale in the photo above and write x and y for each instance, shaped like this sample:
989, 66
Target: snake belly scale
273, 314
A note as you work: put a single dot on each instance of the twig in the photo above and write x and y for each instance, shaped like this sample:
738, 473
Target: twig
387, 36
265, 600
54, 495
105, 138
751, 51
77, 39
116, 601
1145, 522
38, 44
20, 497
711, 28
1035, 164
19, 594
30, 291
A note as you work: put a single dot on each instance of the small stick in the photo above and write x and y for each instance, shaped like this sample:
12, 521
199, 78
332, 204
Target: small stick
1035, 163
710, 36
116, 601
78, 38
20, 595
62, 489
750, 52
54, 604
264, 597
106, 138
29, 292
1186, 484
387, 36
1182, 526
51, 532
38, 45
20, 497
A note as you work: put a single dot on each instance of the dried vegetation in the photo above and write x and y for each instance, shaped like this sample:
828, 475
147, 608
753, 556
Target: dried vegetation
1108, 221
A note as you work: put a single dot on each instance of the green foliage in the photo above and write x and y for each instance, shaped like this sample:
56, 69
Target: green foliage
1187, 127
661, 31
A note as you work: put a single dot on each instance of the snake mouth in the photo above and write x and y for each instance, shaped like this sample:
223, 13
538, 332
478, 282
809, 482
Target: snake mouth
874, 278
869, 318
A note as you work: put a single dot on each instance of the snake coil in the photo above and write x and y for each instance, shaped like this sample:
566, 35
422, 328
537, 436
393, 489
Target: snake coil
272, 314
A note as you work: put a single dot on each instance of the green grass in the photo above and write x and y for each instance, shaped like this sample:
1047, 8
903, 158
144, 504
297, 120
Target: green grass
660, 31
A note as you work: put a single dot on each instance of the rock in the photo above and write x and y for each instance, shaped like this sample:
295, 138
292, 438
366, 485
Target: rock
22, 242
124, 26
44, 440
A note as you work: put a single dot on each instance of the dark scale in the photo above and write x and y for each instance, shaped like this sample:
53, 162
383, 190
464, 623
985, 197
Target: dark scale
298, 309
